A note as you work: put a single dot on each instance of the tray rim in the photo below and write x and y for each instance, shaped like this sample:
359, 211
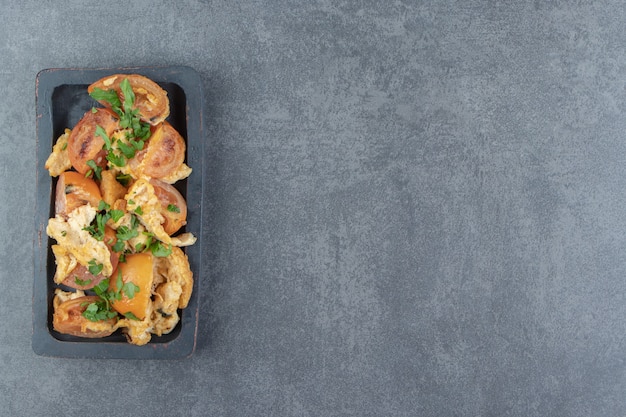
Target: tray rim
43, 341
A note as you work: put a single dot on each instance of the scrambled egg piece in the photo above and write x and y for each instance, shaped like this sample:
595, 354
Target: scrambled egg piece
176, 268
59, 160
78, 242
185, 239
141, 194
61, 296
138, 332
110, 189
182, 172
66, 262
165, 314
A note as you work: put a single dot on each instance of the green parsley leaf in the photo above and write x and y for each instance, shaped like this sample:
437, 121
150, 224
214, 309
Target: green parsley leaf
94, 267
94, 168
173, 208
116, 215
129, 95
117, 160
102, 205
127, 150
123, 179
159, 250
119, 246
94, 110
131, 316
130, 289
79, 281
64, 147
138, 144
125, 233
101, 288
99, 310
100, 132
138, 210
110, 96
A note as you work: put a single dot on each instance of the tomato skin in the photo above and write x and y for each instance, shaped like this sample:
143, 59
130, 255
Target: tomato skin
74, 190
150, 98
163, 153
83, 144
138, 269
68, 319
87, 279
168, 195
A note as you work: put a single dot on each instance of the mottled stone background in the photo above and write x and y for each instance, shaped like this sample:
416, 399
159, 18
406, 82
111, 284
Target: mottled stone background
412, 208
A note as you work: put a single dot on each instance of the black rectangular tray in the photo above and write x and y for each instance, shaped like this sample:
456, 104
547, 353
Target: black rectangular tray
61, 100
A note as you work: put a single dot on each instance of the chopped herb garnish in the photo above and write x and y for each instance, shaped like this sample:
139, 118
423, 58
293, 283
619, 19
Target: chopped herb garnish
127, 150
123, 179
64, 147
130, 289
138, 210
131, 316
102, 205
116, 215
95, 169
100, 132
126, 233
82, 282
173, 208
99, 310
95, 268
119, 246
159, 250
110, 96
117, 160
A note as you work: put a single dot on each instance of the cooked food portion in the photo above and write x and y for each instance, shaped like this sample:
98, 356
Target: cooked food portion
59, 159
73, 234
149, 98
69, 317
173, 206
116, 216
162, 156
86, 141
74, 190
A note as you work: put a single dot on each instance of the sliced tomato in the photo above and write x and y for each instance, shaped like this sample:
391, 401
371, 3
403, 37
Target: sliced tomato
84, 145
173, 206
138, 270
150, 98
80, 278
68, 319
162, 154
75, 190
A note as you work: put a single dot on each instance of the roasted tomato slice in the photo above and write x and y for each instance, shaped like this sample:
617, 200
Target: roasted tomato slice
138, 270
80, 278
68, 319
84, 145
173, 206
162, 155
75, 190
150, 98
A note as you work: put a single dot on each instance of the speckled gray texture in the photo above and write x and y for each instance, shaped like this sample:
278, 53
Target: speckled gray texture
413, 208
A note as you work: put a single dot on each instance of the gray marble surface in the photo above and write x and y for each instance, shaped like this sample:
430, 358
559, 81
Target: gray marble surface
413, 208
